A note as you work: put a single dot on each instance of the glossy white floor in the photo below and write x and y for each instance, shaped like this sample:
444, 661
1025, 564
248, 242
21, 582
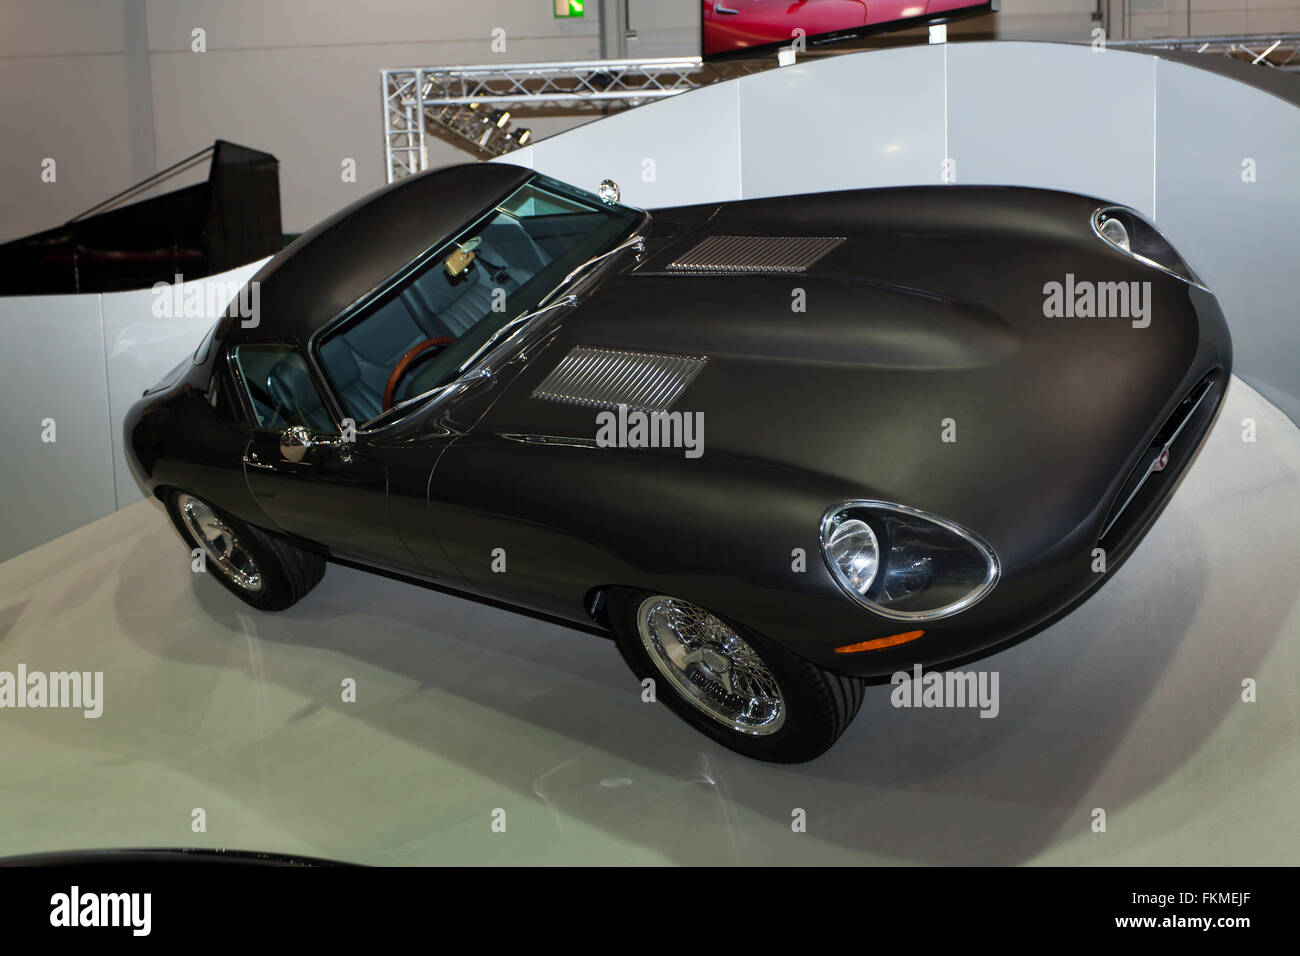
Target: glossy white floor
1132, 704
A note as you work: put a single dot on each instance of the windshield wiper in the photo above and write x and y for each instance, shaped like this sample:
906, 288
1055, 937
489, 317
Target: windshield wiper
637, 240
428, 396
516, 323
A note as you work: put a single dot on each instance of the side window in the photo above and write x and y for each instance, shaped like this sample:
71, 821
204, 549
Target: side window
280, 389
222, 397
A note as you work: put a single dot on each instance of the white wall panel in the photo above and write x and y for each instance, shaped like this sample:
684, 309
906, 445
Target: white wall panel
52, 367
683, 149
1055, 116
874, 119
142, 348
81, 360
1240, 234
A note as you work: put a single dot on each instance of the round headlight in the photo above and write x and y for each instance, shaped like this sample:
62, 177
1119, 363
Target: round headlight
852, 550
1113, 231
906, 564
1122, 228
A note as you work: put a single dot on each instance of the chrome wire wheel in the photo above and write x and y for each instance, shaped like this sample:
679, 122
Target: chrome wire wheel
710, 665
221, 544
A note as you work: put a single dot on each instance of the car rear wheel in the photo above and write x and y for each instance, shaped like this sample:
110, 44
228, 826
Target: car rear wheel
744, 691
261, 568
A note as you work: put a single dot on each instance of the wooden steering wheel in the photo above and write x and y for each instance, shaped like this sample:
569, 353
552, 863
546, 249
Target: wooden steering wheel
405, 363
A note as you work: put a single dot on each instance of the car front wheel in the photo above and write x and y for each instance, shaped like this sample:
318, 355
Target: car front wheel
259, 567
744, 691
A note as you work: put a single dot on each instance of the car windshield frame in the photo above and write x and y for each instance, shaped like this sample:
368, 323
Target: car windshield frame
204, 350
543, 288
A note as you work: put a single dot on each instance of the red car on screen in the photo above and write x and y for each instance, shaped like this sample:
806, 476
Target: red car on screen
731, 25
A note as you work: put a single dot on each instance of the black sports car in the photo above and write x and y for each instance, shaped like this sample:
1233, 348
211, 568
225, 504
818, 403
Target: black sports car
778, 447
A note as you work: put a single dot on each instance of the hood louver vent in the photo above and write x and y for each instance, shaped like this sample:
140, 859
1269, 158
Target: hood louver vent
720, 255
607, 378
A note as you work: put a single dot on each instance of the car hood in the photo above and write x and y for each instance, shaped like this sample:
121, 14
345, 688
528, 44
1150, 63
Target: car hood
913, 364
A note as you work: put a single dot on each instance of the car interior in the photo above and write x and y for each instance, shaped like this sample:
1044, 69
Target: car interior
528, 243
531, 236
434, 304
280, 388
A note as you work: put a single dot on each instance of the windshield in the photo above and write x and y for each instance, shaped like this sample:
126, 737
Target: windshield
499, 268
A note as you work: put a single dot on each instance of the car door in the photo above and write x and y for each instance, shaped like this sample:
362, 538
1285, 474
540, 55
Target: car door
311, 483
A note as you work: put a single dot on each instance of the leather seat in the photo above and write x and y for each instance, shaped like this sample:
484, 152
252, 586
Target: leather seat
360, 388
446, 306
360, 360
297, 401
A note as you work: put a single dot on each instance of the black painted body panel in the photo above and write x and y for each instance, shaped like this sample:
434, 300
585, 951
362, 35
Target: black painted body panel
349, 255
931, 310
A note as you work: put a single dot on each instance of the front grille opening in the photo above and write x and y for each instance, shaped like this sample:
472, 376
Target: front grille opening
1163, 460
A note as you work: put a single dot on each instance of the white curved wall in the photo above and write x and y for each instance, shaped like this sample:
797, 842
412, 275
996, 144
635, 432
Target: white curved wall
81, 361
1166, 138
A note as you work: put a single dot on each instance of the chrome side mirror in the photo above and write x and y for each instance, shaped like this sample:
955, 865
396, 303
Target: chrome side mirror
294, 442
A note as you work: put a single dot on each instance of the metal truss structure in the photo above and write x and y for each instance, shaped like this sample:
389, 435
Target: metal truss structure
1278, 50
478, 106
472, 104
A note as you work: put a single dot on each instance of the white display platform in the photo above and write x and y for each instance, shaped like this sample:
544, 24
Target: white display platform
1131, 704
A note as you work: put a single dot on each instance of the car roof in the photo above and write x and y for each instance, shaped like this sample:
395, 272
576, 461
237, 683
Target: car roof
355, 251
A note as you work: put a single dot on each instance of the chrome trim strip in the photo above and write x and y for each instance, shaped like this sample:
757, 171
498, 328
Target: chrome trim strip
1191, 279
637, 240
991, 577
608, 378
442, 391
1151, 468
550, 440
518, 323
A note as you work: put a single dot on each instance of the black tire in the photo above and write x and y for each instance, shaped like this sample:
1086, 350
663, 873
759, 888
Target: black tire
286, 571
819, 704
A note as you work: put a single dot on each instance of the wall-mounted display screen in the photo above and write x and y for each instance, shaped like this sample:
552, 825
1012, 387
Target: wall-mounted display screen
738, 27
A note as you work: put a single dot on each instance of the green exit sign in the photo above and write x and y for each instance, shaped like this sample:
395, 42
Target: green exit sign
570, 8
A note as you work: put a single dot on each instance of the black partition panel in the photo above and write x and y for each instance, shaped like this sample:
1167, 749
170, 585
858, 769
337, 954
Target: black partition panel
230, 219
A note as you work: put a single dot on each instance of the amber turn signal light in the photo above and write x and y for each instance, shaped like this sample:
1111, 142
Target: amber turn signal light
893, 640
